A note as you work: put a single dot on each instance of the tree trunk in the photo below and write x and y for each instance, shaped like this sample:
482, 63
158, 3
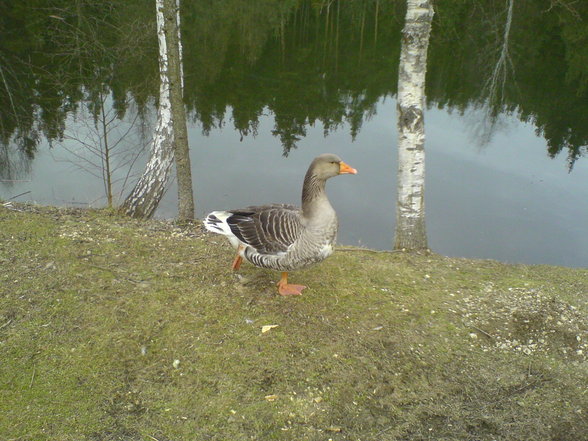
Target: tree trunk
410, 213
181, 148
148, 191
106, 172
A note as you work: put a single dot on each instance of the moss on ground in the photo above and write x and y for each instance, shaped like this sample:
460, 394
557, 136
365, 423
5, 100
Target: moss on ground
117, 329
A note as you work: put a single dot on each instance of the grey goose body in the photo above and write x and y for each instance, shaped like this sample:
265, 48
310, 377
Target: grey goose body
285, 237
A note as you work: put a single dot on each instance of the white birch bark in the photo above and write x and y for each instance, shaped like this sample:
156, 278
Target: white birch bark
148, 191
180, 48
410, 212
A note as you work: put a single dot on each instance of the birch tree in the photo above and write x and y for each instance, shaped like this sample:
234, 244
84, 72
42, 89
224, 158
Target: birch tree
145, 196
410, 212
171, 135
171, 10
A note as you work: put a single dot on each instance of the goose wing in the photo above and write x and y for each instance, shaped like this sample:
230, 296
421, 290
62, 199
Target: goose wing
270, 229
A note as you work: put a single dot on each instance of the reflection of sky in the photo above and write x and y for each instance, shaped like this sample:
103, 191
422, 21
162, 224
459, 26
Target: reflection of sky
506, 200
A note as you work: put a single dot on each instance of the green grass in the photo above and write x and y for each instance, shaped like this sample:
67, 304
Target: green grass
117, 329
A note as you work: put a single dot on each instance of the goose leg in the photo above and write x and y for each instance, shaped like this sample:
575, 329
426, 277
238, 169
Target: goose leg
237, 262
238, 259
286, 289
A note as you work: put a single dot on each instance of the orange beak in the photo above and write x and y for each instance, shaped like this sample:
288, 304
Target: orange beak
344, 168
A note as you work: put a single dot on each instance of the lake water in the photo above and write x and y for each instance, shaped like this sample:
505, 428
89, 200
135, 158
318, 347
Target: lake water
506, 200
496, 187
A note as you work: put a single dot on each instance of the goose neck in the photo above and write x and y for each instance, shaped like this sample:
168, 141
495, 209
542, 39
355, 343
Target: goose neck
314, 197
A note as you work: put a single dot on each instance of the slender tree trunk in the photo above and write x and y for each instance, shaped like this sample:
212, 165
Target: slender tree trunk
376, 18
148, 191
337, 36
410, 213
181, 148
106, 172
362, 28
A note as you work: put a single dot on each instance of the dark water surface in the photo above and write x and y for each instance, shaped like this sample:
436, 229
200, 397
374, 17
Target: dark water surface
506, 173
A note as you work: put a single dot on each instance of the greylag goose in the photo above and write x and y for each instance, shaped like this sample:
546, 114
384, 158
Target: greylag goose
285, 237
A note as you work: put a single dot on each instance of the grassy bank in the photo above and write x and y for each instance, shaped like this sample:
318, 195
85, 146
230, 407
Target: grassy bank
116, 329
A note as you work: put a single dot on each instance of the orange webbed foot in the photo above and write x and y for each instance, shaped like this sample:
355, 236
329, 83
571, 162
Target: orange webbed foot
287, 289
291, 290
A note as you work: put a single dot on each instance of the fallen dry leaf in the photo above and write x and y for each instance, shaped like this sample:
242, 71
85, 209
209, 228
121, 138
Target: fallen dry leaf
266, 328
335, 429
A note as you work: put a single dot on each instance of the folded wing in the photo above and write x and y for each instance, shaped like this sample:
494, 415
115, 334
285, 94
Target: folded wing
269, 229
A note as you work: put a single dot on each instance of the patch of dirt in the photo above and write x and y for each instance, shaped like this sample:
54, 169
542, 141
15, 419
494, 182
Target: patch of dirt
527, 321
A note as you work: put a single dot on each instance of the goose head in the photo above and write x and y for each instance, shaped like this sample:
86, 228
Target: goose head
328, 165
321, 168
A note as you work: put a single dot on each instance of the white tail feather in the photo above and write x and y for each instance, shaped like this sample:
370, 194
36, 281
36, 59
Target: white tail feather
217, 223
